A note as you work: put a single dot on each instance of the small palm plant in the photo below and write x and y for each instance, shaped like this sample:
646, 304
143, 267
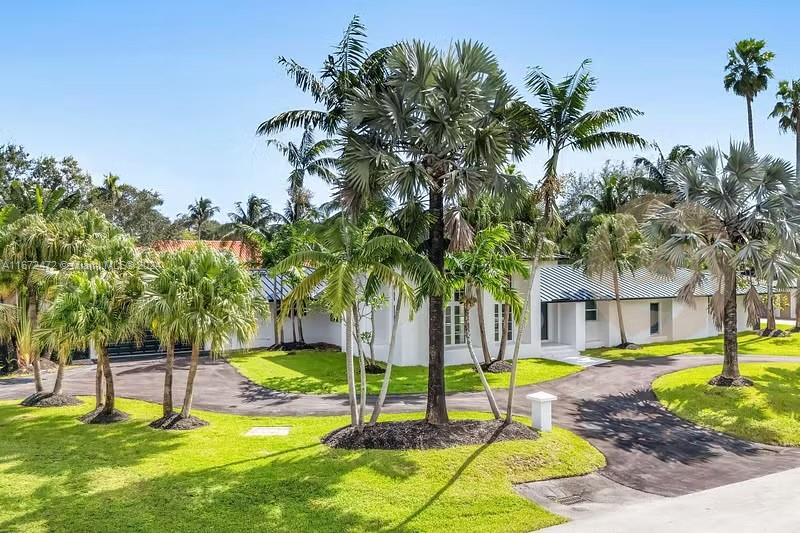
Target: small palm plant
353, 260
728, 204
205, 297
614, 246
487, 266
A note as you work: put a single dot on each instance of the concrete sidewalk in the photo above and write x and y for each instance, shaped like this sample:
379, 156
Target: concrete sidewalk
769, 504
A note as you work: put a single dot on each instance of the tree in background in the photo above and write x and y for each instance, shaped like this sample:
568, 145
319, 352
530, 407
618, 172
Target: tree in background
46, 171
655, 180
255, 215
560, 120
199, 215
726, 204
306, 159
787, 111
134, 210
747, 73
614, 246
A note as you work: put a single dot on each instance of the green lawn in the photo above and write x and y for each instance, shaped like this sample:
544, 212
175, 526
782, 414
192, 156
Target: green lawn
314, 372
768, 412
57, 474
749, 344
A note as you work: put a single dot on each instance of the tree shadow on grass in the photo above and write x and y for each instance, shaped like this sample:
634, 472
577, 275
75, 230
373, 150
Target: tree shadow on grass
636, 421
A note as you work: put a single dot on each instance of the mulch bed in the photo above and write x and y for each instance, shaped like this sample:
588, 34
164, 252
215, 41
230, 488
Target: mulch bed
292, 346
496, 367
420, 435
177, 423
721, 381
628, 346
369, 368
99, 416
48, 399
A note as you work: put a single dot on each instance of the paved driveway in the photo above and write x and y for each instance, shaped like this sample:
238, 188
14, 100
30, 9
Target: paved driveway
610, 405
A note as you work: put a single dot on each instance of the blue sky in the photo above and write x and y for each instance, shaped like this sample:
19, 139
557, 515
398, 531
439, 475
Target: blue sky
168, 94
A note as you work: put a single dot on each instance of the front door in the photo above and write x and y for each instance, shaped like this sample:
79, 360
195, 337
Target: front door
545, 323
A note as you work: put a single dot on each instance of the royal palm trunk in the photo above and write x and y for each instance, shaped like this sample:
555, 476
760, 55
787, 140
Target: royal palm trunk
186, 412
750, 121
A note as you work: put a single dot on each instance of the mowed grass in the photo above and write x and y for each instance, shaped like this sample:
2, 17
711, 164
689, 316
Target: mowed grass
57, 474
750, 343
317, 372
768, 412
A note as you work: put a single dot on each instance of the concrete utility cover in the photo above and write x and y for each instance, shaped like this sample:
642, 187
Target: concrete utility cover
268, 431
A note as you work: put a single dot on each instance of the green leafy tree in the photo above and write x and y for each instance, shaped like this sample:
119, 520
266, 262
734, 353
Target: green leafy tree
655, 179
354, 261
254, 215
747, 73
727, 205
560, 119
199, 215
614, 246
487, 265
434, 133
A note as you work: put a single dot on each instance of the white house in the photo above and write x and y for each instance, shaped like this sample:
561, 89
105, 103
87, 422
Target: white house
570, 313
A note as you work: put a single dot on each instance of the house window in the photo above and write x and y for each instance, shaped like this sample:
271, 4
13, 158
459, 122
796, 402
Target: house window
655, 323
454, 320
591, 310
498, 322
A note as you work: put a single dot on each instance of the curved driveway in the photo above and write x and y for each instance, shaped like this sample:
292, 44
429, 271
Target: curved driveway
610, 405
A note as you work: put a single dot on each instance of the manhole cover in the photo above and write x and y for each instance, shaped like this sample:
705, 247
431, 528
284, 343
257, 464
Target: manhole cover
568, 500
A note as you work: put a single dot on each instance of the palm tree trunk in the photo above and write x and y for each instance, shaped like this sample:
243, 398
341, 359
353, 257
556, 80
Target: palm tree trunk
186, 412
487, 357
623, 338
98, 381
371, 343
750, 121
436, 409
108, 378
33, 316
730, 364
351, 377
501, 352
168, 367
362, 371
376, 411
58, 386
771, 324
300, 329
484, 383
523, 320
797, 306
274, 310
294, 326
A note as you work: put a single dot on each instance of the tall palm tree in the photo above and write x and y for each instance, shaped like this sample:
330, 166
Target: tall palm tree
434, 133
355, 260
307, 159
110, 189
747, 73
727, 205
559, 118
615, 190
778, 268
256, 214
200, 212
488, 265
349, 66
614, 246
787, 111
655, 179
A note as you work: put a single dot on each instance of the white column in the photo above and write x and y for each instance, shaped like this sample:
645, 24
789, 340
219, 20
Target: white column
541, 410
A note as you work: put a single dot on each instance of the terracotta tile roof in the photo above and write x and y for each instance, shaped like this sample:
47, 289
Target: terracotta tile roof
243, 251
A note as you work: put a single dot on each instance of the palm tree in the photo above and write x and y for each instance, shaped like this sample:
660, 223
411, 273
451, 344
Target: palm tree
728, 205
200, 212
25, 199
307, 159
614, 246
349, 66
615, 190
353, 259
256, 214
747, 73
435, 133
561, 121
787, 111
777, 267
488, 265
110, 189
655, 179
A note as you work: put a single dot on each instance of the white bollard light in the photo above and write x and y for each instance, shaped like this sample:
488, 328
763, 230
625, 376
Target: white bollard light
541, 410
